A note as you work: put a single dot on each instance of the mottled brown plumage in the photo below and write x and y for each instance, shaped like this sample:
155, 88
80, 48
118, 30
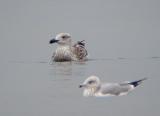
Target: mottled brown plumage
66, 51
79, 50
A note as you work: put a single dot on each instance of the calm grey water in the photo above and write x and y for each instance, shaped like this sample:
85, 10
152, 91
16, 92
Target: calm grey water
122, 39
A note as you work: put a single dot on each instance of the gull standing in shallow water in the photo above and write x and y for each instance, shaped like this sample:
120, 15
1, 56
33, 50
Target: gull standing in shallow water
66, 51
93, 87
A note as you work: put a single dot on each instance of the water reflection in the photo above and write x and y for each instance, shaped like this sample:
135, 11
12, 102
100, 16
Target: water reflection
67, 70
155, 57
62, 68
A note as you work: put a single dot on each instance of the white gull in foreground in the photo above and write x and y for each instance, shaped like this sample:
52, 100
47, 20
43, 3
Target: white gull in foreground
93, 87
66, 51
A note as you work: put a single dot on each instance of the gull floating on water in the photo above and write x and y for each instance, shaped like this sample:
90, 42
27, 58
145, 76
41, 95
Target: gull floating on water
66, 51
93, 87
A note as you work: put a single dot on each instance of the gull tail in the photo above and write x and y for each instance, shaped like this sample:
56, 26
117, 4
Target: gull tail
136, 83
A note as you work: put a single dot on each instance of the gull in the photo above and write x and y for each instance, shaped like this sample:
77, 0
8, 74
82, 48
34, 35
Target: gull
93, 87
66, 51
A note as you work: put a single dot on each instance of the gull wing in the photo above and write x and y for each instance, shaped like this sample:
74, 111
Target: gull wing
115, 88
79, 50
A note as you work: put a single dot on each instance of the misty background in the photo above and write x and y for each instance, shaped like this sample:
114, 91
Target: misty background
122, 38
126, 28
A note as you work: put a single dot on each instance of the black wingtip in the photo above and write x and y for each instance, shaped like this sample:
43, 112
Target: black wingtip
136, 83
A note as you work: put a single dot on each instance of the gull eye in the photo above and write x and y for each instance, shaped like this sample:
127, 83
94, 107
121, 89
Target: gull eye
90, 82
64, 37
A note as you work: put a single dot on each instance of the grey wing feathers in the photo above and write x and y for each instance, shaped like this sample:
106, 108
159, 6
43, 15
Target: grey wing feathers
115, 88
110, 89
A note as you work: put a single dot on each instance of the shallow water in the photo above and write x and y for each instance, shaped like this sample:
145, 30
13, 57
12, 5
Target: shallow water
122, 42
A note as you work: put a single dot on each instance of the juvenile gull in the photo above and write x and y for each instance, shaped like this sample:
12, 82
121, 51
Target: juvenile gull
93, 87
66, 51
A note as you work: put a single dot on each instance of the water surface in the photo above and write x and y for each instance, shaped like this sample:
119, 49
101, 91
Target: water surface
122, 38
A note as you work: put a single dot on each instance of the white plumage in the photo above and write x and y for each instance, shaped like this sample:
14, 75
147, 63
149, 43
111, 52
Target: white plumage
93, 87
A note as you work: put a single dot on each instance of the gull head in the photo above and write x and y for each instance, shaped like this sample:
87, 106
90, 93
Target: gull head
91, 82
62, 39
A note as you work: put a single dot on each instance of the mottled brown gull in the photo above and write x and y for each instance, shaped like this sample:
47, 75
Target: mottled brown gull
65, 51
93, 87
